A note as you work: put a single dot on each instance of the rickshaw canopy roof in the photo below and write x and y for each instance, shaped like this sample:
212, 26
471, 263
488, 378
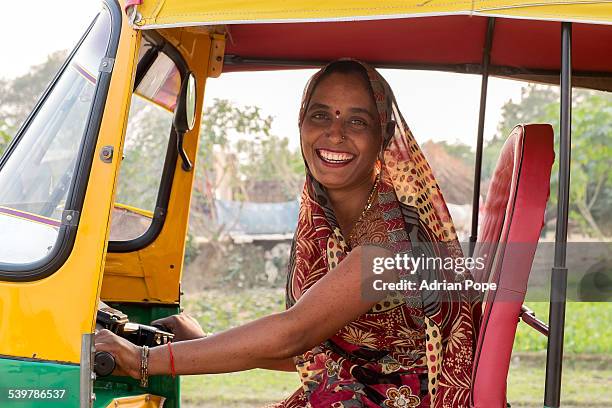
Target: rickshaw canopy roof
437, 35
173, 13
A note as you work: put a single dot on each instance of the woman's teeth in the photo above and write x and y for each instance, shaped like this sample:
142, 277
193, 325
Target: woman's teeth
335, 157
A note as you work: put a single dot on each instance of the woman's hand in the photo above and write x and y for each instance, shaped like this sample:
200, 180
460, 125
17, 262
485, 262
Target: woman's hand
127, 355
183, 326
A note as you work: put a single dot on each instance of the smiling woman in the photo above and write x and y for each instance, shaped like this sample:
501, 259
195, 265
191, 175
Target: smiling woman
341, 138
369, 193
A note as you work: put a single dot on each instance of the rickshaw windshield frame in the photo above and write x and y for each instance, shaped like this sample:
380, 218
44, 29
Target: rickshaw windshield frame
60, 252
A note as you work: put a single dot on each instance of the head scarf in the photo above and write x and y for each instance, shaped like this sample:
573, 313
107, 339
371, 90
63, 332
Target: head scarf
417, 220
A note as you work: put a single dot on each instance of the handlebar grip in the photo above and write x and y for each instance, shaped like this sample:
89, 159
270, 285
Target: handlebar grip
104, 363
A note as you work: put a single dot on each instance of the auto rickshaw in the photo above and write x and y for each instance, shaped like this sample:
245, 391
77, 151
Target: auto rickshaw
66, 244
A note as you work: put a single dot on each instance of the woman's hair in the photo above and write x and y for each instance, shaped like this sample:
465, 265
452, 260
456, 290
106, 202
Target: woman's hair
346, 67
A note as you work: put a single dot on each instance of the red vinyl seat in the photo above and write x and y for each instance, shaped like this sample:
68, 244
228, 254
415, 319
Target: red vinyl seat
510, 227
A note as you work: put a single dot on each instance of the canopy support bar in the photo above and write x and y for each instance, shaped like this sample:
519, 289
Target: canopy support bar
475, 69
558, 289
486, 59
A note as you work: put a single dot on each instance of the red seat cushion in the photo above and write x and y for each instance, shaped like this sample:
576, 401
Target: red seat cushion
509, 231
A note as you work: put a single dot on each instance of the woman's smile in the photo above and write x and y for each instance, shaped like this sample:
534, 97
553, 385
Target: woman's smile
334, 158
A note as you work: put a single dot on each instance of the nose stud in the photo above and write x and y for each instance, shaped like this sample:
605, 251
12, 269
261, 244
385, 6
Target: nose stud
337, 114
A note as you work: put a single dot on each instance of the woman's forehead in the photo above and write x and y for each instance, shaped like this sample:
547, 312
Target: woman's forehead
346, 87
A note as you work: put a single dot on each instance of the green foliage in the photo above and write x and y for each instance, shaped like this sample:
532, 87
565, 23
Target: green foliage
144, 153
244, 389
591, 173
460, 151
251, 152
191, 249
585, 331
5, 138
218, 310
19, 95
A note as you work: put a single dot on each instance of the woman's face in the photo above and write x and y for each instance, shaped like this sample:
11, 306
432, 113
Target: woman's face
340, 133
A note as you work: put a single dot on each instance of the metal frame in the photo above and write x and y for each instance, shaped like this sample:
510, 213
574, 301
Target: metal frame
476, 69
558, 288
87, 377
486, 59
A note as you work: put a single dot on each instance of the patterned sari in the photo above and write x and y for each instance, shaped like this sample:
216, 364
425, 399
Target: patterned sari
413, 348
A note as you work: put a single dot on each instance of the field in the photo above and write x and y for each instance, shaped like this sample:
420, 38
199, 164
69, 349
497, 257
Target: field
587, 364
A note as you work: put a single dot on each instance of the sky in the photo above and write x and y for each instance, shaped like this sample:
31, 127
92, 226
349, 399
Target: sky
437, 106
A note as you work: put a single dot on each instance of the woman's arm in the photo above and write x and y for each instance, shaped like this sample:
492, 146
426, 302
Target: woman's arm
185, 327
330, 304
287, 364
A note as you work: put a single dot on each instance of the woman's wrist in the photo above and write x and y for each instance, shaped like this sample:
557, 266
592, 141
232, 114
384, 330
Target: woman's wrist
159, 361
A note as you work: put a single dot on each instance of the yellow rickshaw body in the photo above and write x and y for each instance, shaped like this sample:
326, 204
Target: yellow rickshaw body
164, 13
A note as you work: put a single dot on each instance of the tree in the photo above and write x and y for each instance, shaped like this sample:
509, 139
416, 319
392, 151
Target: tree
238, 150
591, 174
144, 152
5, 138
19, 95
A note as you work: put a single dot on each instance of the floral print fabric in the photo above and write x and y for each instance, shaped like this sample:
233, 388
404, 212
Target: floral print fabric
412, 349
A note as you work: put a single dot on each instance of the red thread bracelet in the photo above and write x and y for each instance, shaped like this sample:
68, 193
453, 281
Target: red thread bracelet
172, 370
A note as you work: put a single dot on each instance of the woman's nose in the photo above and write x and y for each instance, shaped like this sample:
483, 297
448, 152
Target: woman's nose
336, 131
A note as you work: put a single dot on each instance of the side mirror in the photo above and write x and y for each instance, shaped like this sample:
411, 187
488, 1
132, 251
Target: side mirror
184, 115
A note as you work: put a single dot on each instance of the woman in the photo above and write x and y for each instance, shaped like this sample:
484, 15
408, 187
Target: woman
369, 193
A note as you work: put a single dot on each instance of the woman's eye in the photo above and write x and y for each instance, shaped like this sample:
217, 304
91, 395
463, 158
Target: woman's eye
359, 123
319, 116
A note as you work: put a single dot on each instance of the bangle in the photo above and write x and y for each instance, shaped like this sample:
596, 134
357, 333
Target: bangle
144, 367
172, 369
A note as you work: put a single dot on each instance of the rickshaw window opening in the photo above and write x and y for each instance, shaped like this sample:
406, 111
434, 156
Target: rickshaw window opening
157, 47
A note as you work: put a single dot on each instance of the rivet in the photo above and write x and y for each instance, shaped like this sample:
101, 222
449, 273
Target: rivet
69, 217
105, 64
218, 58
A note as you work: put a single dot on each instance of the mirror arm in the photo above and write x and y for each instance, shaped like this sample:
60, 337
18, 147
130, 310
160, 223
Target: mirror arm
187, 165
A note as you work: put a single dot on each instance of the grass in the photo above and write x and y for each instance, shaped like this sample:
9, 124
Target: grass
587, 364
585, 382
248, 388
587, 329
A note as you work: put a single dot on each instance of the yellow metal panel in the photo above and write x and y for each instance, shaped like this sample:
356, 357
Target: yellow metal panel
173, 13
153, 273
138, 401
595, 13
46, 318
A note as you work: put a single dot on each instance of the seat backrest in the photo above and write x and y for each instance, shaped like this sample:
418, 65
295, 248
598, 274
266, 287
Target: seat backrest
510, 227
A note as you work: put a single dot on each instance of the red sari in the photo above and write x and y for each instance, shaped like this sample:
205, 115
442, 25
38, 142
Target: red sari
412, 349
